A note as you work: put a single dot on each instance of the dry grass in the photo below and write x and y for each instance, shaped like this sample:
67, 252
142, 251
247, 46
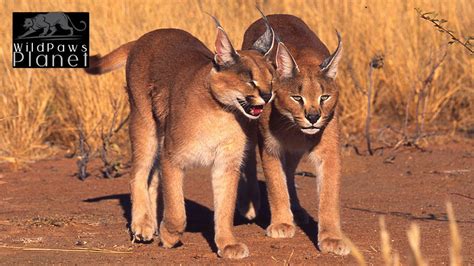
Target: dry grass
455, 249
42, 107
414, 239
391, 258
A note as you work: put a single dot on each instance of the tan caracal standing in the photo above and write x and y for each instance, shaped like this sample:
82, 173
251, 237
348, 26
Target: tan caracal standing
189, 107
301, 120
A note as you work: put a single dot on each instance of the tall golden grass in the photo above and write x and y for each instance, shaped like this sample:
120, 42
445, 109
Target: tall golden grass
41, 108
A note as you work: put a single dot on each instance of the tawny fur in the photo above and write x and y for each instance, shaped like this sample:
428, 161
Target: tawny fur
184, 113
282, 141
116, 59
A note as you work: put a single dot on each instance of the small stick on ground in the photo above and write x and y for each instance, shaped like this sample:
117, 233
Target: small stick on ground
87, 250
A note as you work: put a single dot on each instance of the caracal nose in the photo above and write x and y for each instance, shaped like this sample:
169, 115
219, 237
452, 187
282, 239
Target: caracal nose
313, 118
266, 96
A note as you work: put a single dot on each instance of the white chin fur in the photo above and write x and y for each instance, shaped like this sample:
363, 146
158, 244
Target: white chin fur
310, 131
250, 116
243, 112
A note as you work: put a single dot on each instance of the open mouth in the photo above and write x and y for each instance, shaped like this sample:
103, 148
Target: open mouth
253, 111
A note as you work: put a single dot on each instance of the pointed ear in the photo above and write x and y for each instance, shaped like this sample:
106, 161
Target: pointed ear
285, 63
225, 52
329, 65
264, 44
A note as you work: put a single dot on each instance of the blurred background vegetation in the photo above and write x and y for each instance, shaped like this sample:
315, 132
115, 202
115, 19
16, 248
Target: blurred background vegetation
424, 85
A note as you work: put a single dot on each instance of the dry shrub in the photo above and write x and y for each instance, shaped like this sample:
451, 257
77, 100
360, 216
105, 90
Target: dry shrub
44, 106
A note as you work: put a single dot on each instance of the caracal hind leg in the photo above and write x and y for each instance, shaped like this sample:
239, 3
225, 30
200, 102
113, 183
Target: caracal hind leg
153, 194
153, 184
291, 163
144, 150
174, 214
248, 196
225, 175
282, 225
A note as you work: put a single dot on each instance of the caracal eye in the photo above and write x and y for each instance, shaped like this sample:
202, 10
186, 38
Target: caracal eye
252, 83
324, 97
297, 99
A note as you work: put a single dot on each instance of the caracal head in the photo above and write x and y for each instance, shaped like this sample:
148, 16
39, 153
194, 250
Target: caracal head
242, 80
307, 96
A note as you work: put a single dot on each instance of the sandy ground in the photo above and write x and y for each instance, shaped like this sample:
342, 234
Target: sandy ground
45, 206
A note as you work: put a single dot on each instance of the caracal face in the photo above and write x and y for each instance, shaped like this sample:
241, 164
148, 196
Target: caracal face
246, 86
308, 100
241, 80
307, 97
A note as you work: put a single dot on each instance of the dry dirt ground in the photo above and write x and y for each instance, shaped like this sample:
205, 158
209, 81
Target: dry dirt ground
46, 207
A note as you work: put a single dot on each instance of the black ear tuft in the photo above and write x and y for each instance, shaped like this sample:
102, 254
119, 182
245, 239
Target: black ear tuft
225, 53
265, 43
329, 65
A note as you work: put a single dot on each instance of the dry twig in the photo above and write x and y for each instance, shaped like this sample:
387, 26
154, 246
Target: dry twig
438, 24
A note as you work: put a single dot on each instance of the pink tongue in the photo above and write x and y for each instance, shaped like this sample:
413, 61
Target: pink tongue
256, 111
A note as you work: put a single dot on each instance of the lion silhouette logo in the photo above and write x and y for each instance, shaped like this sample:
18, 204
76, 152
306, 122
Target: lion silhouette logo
49, 23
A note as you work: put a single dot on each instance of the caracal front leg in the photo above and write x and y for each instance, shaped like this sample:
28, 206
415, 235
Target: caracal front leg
225, 176
291, 163
144, 152
329, 224
282, 225
174, 213
248, 197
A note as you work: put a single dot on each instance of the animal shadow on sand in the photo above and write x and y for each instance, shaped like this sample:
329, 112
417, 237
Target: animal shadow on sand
263, 219
200, 219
